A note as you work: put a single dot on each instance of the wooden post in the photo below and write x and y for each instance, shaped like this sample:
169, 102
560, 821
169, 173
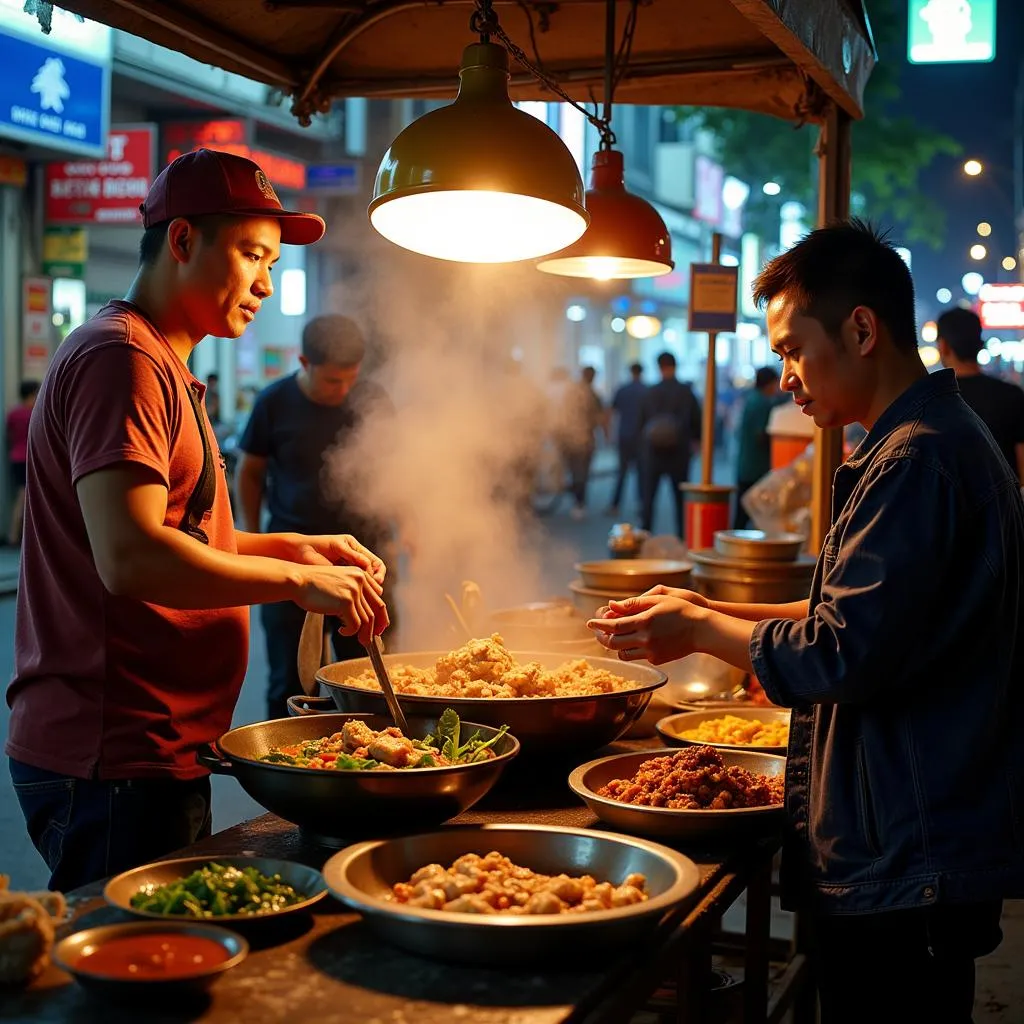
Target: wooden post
707, 435
833, 204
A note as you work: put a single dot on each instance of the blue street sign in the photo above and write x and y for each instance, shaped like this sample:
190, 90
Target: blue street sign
340, 177
51, 98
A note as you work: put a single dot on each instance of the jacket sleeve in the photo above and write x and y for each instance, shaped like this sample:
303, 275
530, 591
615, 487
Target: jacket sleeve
882, 589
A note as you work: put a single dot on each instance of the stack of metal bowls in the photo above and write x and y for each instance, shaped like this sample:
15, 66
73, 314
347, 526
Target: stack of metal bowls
614, 579
751, 567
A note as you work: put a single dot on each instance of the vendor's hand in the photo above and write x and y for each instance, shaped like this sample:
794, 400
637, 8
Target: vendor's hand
348, 593
339, 549
652, 627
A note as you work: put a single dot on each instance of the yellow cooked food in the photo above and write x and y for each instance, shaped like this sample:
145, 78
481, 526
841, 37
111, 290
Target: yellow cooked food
485, 668
494, 885
741, 732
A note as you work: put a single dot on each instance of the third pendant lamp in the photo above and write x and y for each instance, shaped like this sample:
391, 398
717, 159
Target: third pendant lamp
479, 181
626, 237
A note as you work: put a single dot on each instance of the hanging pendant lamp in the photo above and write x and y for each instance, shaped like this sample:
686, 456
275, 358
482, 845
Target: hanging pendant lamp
479, 181
627, 237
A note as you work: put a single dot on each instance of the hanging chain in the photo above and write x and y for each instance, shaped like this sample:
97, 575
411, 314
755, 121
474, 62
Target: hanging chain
485, 22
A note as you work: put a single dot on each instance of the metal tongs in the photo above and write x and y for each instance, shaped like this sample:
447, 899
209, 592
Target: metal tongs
376, 653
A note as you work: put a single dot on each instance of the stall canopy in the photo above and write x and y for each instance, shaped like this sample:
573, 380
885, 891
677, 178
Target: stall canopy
790, 58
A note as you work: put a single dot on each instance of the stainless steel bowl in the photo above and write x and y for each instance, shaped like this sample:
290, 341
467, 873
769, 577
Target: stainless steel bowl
541, 625
121, 888
542, 725
700, 825
345, 805
362, 876
671, 727
589, 600
757, 545
634, 574
67, 952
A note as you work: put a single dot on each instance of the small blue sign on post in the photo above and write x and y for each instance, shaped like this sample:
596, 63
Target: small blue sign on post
713, 291
51, 98
342, 178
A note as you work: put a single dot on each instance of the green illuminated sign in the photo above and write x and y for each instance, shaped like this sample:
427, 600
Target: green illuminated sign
951, 31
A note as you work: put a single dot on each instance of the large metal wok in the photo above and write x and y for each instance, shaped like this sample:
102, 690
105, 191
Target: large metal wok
543, 725
335, 806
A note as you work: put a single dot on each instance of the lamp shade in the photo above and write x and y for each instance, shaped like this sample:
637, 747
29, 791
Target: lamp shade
479, 181
626, 238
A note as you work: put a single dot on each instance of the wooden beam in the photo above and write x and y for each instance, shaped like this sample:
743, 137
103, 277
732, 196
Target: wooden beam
833, 204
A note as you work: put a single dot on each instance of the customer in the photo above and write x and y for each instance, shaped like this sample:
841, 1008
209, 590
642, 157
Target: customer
17, 456
297, 424
754, 452
670, 432
581, 417
999, 403
904, 669
626, 405
132, 631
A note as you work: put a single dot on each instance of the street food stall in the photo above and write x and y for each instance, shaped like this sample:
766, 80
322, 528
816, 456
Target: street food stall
799, 60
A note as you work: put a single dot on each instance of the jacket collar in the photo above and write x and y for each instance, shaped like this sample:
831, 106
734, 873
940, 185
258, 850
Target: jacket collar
905, 407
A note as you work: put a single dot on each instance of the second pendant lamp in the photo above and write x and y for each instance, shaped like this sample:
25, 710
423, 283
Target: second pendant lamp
627, 237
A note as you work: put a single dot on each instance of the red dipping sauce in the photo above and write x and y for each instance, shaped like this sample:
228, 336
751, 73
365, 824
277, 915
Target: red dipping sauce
154, 956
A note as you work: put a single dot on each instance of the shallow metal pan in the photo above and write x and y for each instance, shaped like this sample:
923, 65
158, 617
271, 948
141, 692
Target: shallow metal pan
634, 574
701, 825
361, 876
542, 725
333, 805
756, 545
670, 727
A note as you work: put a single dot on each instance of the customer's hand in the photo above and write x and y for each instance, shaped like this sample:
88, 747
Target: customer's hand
348, 593
684, 595
339, 549
652, 627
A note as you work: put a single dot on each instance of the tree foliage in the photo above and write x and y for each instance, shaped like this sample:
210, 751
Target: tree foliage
889, 150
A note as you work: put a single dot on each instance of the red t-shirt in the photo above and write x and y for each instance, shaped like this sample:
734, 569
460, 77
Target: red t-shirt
17, 433
107, 686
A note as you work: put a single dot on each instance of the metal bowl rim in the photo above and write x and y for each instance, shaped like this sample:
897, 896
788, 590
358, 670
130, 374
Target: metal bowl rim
621, 566
711, 713
102, 932
688, 879
512, 701
360, 773
585, 793
231, 860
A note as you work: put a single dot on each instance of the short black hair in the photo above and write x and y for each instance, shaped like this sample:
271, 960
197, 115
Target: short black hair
836, 268
636, 369
28, 388
153, 238
960, 329
333, 339
152, 242
667, 361
765, 376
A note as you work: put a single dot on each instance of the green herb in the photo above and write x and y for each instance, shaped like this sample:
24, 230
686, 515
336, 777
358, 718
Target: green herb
215, 890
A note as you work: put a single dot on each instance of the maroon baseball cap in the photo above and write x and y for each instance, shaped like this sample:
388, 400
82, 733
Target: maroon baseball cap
207, 181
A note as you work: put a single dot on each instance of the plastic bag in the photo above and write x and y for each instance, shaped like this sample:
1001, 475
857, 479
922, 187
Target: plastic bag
780, 502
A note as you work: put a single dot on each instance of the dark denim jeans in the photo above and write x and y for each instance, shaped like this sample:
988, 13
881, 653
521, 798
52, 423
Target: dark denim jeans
902, 965
87, 829
282, 626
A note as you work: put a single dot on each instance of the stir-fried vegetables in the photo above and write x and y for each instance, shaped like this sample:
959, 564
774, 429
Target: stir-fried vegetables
218, 889
357, 747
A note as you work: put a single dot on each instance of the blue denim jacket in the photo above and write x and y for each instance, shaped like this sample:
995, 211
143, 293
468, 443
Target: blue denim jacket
905, 774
